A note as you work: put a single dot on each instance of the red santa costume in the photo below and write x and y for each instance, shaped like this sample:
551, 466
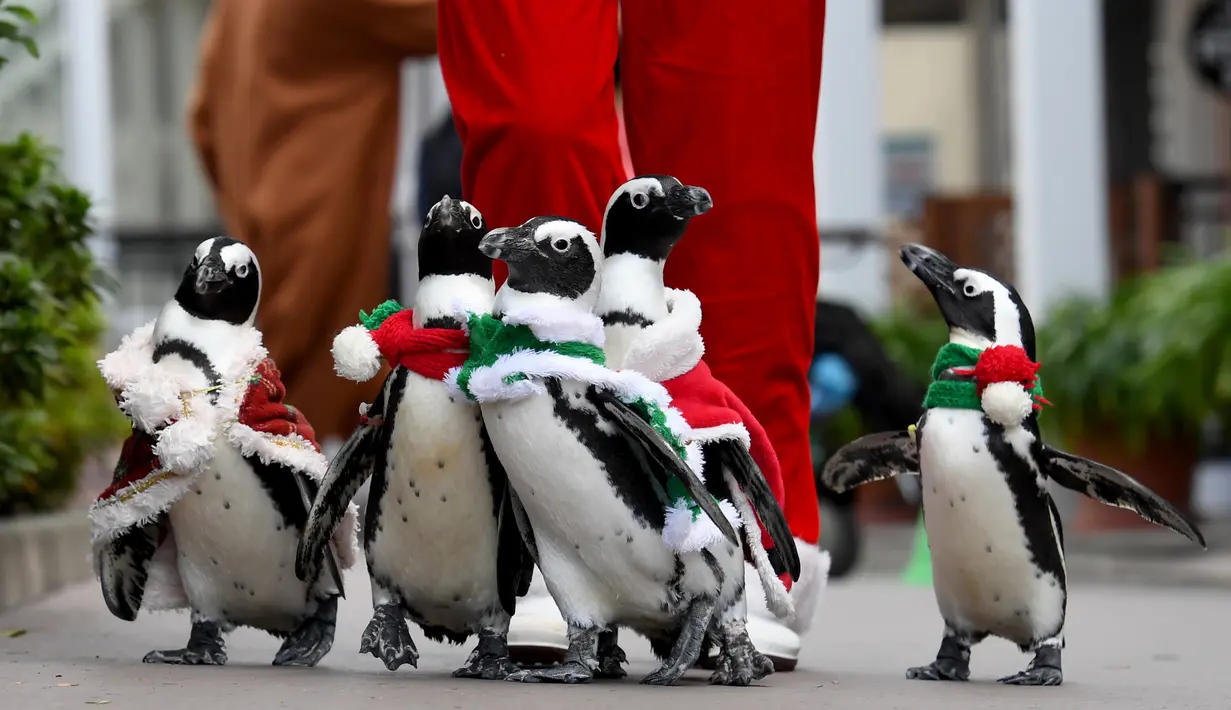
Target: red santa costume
176, 426
670, 352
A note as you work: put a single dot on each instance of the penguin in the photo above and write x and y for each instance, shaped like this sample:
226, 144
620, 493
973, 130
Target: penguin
209, 519
441, 543
650, 328
995, 536
589, 473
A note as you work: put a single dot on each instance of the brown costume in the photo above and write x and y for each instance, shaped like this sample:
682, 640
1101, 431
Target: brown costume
295, 120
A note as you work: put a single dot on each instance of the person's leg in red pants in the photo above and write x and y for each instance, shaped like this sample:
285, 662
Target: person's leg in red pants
722, 94
532, 87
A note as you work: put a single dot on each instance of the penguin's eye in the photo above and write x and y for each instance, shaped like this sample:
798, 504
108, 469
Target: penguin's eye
640, 200
970, 290
560, 245
241, 270
476, 221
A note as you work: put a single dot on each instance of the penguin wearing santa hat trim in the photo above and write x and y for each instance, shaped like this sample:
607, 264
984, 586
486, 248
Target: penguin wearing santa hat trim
997, 547
442, 545
655, 331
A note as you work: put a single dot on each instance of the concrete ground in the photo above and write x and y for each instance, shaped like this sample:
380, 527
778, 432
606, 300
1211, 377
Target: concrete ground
1128, 647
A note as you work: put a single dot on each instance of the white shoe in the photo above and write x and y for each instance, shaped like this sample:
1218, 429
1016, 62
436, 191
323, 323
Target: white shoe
537, 632
777, 639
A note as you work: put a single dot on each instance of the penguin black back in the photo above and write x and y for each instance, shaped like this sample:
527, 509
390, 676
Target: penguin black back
648, 215
550, 255
221, 283
449, 242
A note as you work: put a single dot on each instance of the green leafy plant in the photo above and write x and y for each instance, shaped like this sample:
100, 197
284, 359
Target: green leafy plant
54, 407
1154, 361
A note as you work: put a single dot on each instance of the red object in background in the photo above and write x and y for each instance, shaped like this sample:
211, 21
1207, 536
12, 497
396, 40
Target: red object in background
718, 93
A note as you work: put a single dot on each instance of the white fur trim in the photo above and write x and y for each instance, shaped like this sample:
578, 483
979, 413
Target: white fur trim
1007, 403
673, 345
558, 324
735, 431
808, 590
292, 451
187, 445
356, 355
683, 534
136, 504
776, 596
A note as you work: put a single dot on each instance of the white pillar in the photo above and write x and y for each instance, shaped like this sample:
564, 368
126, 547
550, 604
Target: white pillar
87, 111
848, 159
1059, 144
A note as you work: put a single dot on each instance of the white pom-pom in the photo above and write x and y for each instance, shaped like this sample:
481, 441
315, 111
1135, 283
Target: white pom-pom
1007, 403
355, 354
187, 445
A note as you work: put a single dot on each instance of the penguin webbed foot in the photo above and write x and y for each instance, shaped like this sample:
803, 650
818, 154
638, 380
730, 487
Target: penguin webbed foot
952, 661
738, 662
312, 639
490, 658
1044, 669
687, 647
580, 661
205, 648
387, 638
611, 657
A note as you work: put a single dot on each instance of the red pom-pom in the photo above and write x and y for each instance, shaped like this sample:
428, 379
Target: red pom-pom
1005, 363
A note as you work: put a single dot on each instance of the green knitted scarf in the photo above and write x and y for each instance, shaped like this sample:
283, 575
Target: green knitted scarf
954, 394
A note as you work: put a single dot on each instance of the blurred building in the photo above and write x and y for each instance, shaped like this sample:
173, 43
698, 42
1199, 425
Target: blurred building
916, 131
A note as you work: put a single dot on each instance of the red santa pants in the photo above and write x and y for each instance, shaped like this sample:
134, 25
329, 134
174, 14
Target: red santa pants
719, 93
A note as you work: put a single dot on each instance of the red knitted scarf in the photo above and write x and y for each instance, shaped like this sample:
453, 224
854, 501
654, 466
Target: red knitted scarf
430, 352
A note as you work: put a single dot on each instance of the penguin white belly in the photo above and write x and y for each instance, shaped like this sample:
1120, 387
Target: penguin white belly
600, 563
436, 539
983, 573
236, 553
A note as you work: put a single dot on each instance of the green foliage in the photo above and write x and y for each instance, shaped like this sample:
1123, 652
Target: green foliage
54, 407
1154, 359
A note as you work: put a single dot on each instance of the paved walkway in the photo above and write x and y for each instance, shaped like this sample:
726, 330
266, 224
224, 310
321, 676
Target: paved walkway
1127, 648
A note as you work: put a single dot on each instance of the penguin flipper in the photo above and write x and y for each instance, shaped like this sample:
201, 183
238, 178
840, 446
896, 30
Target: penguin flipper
660, 460
348, 470
124, 567
871, 458
1115, 488
307, 493
514, 558
736, 460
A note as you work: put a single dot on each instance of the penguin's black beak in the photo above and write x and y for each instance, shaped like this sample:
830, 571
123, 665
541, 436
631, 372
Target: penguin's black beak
211, 276
930, 266
505, 243
685, 201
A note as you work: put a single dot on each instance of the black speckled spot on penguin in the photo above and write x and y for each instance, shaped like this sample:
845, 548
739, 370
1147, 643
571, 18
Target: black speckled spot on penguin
444, 499
989, 548
457, 598
197, 491
440, 463
602, 537
576, 546
996, 598
226, 504
214, 560
628, 539
217, 476
416, 494
975, 449
963, 497
404, 519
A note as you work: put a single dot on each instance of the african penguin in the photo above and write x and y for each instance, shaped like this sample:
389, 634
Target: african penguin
646, 330
441, 543
589, 473
232, 531
996, 542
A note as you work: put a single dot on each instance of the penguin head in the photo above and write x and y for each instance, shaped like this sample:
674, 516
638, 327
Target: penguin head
222, 283
548, 255
979, 309
647, 216
448, 244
